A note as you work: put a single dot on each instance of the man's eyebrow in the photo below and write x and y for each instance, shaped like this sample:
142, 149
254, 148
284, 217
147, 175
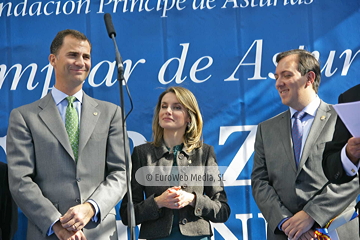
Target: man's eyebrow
282, 72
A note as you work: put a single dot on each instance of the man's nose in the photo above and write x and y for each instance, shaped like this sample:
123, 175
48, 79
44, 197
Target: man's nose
80, 61
279, 82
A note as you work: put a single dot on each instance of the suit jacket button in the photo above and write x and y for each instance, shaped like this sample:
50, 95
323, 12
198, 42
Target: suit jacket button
77, 200
184, 221
181, 156
198, 210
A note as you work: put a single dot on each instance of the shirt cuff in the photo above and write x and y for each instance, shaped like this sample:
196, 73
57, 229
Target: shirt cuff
281, 223
95, 218
350, 168
51, 231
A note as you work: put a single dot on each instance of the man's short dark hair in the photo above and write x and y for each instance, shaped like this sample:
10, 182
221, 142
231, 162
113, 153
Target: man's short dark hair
59, 39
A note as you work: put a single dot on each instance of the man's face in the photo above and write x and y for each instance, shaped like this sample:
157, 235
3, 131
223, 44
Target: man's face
72, 63
292, 87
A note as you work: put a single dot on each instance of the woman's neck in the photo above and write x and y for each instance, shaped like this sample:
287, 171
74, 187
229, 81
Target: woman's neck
172, 139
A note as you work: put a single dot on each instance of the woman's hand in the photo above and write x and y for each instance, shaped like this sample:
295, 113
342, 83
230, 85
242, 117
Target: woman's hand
168, 198
186, 198
175, 198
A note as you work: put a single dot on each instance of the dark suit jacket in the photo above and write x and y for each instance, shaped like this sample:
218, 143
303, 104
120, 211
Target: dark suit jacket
332, 164
281, 190
211, 201
44, 178
8, 209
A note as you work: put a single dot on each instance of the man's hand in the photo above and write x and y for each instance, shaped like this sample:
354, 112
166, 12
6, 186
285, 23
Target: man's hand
297, 225
64, 234
353, 150
77, 217
309, 235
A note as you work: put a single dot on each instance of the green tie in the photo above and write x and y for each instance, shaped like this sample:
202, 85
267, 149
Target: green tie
72, 125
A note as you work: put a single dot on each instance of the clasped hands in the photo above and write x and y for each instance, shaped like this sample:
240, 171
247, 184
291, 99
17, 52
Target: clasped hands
175, 198
73, 221
298, 227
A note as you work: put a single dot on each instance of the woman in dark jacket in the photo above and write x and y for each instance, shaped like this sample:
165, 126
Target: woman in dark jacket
175, 186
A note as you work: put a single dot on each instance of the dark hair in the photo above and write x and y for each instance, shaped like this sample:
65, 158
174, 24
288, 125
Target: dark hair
59, 39
306, 63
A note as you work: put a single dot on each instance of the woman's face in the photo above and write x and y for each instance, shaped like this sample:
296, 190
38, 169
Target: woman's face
173, 116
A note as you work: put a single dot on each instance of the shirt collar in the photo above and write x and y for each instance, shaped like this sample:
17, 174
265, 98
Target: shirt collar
310, 109
59, 96
162, 150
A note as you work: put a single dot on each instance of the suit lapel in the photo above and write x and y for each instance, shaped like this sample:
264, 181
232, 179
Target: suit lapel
51, 117
322, 116
285, 134
89, 117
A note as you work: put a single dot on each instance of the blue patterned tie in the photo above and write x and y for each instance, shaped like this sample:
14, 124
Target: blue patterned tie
297, 132
72, 125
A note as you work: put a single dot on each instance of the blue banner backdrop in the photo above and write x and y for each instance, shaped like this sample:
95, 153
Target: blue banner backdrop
222, 50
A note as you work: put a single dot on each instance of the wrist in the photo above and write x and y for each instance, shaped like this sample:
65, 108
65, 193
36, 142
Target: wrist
193, 201
57, 227
351, 157
92, 209
156, 199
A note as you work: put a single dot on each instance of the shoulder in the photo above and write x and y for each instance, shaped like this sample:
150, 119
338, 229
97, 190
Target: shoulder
326, 108
144, 147
99, 103
105, 103
351, 94
276, 118
353, 90
36, 105
148, 149
106, 108
205, 149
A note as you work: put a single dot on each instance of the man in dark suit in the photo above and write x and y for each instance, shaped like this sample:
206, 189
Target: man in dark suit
65, 153
8, 209
287, 180
342, 154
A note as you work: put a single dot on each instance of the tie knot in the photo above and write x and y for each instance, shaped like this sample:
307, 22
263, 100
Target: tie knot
70, 99
299, 115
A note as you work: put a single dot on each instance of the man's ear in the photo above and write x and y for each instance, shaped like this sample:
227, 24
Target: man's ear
52, 59
310, 77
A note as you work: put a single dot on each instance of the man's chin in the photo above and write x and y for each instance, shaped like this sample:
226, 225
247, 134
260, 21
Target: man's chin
285, 102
